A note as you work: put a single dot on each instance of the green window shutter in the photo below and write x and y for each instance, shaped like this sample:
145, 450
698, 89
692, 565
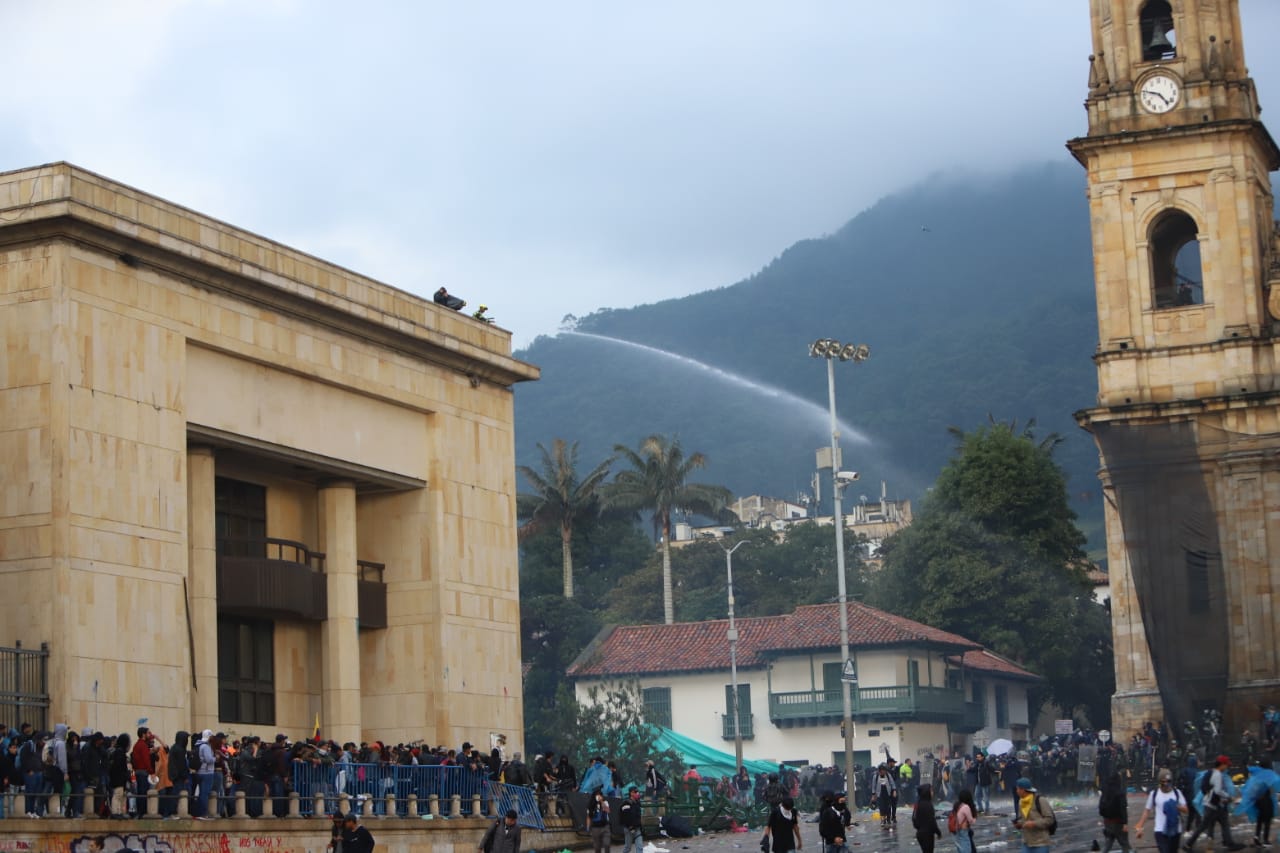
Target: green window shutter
831, 675
744, 699
656, 705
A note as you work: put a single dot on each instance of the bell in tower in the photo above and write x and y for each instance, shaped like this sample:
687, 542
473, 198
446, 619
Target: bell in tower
1158, 34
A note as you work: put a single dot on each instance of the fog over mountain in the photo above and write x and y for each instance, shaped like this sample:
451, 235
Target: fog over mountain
975, 294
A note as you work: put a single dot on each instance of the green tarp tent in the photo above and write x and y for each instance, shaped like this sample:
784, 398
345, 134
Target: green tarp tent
712, 763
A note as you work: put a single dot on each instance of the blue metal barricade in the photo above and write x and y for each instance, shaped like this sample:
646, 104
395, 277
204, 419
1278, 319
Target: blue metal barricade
375, 782
522, 799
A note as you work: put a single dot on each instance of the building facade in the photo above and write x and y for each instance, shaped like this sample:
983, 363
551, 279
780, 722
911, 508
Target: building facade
246, 489
1187, 418
918, 690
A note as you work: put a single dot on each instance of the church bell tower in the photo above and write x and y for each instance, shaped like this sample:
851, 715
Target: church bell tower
1187, 420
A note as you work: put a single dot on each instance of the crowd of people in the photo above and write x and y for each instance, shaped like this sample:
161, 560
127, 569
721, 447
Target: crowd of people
210, 768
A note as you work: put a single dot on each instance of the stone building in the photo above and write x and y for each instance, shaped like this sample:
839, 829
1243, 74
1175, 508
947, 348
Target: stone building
244, 488
1187, 419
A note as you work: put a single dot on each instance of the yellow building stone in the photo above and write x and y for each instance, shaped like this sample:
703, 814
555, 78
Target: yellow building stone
244, 487
1188, 409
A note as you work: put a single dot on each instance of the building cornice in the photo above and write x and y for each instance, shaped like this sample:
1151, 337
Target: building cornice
1082, 146
63, 201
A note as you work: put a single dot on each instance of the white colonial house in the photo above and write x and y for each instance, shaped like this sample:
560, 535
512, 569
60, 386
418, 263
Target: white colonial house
918, 689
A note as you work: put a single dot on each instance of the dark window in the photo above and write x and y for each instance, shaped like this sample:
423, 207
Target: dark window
980, 693
1175, 261
1002, 706
656, 705
246, 672
241, 517
1159, 39
913, 673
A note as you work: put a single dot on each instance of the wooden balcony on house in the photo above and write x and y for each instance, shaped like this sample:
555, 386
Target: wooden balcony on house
745, 722
896, 702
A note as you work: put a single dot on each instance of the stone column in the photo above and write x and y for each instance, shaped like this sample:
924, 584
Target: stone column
340, 642
202, 586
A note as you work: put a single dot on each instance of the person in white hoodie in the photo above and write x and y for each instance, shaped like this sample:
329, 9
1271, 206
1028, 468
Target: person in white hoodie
205, 777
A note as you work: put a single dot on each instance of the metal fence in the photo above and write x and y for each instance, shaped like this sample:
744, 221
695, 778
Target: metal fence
399, 790
24, 686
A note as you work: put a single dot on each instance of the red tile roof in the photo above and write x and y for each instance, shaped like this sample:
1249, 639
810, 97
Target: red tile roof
986, 660
817, 626
702, 646
683, 647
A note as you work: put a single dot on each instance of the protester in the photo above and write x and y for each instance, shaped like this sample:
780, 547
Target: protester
924, 820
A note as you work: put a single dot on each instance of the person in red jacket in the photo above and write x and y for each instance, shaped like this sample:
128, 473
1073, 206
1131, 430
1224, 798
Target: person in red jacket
144, 767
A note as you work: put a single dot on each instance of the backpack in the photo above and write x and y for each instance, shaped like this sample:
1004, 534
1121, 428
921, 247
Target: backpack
1172, 820
1206, 782
47, 756
1052, 828
953, 826
193, 757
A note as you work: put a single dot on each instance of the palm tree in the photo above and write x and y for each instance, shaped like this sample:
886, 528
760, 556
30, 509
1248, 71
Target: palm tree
560, 498
658, 481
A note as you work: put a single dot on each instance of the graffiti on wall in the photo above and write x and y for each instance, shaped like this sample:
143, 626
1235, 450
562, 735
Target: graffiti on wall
133, 842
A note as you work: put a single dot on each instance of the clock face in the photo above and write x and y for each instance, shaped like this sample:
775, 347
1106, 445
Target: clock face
1159, 93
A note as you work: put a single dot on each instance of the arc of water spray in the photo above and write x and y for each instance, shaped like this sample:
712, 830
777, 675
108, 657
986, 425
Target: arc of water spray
818, 413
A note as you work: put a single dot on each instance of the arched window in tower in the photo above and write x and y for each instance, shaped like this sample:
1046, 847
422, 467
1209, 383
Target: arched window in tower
1159, 39
1175, 261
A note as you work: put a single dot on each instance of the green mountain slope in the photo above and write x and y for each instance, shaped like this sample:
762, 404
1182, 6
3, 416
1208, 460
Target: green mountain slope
975, 296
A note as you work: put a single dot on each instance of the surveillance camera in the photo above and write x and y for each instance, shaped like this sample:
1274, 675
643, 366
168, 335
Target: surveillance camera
847, 476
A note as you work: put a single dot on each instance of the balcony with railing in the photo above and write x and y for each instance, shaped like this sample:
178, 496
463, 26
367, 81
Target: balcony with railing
745, 723
281, 579
904, 702
271, 579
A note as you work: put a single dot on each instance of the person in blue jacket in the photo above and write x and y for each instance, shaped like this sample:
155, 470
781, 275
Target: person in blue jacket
1258, 800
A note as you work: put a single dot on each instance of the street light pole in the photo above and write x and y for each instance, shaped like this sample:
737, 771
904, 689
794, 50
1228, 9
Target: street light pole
831, 350
733, 655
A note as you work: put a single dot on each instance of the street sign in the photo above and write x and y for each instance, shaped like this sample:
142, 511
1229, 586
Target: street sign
850, 673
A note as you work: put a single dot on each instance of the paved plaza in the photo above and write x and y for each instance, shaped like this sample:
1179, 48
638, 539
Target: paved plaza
1078, 826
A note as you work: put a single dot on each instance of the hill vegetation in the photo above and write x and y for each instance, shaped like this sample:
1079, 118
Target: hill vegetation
975, 296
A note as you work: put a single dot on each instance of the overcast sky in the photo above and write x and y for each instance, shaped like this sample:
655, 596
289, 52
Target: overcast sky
549, 157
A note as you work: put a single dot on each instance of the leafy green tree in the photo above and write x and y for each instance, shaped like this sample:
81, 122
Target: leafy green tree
658, 481
607, 548
995, 556
553, 630
610, 724
560, 498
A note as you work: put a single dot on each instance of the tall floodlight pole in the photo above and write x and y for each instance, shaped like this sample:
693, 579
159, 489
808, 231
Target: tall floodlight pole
832, 350
733, 655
